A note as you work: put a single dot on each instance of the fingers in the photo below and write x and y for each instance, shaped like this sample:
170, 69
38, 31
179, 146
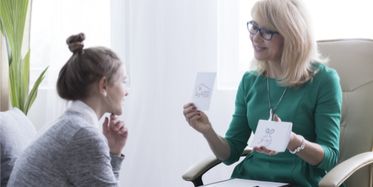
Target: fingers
192, 115
113, 118
114, 125
123, 131
264, 150
120, 128
106, 126
190, 112
190, 107
276, 118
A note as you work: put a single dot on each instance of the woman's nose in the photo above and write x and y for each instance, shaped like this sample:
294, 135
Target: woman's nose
257, 37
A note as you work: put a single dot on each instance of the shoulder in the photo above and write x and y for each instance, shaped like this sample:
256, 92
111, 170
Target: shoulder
327, 81
250, 75
88, 133
72, 121
248, 79
325, 73
86, 145
71, 129
87, 138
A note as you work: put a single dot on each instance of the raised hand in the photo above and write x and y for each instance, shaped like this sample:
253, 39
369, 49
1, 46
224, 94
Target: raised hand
116, 133
196, 119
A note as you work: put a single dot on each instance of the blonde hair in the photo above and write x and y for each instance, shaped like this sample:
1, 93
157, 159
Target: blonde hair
290, 19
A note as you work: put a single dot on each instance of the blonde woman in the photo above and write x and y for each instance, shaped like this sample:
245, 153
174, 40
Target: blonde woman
73, 152
290, 84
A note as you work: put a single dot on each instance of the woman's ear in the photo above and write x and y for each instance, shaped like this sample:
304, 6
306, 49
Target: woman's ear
102, 86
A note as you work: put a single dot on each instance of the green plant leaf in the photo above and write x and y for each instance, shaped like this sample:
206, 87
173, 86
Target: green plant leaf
25, 81
13, 86
13, 14
34, 91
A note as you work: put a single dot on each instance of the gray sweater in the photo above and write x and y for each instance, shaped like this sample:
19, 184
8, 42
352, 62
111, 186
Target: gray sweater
73, 152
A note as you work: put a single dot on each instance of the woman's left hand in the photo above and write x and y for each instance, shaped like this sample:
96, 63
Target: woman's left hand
263, 149
116, 134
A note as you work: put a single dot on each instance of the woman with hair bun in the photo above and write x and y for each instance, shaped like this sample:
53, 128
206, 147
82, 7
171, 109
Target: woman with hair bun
73, 152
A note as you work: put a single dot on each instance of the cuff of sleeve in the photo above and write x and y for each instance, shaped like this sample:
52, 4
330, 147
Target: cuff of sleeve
329, 160
232, 154
116, 161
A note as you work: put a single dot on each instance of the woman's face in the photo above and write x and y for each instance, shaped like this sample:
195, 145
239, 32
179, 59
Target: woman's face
116, 91
266, 48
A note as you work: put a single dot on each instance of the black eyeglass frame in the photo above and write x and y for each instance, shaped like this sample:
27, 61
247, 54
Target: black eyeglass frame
264, 33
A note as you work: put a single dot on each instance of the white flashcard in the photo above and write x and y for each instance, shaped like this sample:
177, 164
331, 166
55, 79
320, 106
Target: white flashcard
203, 88
272, 135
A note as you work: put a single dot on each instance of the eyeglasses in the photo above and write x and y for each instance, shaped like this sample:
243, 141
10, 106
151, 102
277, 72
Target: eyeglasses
264, 33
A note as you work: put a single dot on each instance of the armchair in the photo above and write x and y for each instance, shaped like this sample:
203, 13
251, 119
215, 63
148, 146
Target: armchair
353, 60
16, 133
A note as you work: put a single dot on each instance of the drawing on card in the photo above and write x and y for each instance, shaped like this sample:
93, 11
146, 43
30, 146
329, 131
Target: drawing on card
202, 90
266, 139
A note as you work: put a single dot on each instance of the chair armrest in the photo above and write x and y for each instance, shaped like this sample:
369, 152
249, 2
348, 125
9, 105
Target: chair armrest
195, 173
200, 168
345, 169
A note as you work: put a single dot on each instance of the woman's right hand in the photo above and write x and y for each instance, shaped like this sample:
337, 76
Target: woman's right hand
196, 118
116, 134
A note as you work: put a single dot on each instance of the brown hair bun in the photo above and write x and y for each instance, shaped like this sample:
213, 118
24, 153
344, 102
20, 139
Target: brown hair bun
75, 43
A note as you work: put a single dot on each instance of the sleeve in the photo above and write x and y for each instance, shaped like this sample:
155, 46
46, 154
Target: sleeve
238, 132
89, 160
327, 118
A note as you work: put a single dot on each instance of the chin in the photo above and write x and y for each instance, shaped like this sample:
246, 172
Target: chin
118, 112
258, 57
261, 59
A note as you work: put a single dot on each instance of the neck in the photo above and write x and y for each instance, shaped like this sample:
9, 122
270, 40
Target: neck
95, 105
274, 70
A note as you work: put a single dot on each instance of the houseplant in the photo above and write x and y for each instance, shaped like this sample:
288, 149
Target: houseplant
13, 17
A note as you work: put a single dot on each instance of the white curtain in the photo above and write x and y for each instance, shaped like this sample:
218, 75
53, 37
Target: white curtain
169, 42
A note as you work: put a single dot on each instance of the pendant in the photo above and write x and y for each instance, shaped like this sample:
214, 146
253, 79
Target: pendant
270, 115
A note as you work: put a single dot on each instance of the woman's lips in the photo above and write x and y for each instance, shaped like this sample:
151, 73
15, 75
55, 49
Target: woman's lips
258, 48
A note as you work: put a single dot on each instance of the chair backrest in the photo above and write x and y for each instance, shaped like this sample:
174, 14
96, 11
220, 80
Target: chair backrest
353, 60
16, 133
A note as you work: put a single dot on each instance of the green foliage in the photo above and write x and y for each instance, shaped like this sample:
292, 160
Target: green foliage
13, 15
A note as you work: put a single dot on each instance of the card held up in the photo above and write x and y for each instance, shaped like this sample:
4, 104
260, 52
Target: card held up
203, 89
272, 135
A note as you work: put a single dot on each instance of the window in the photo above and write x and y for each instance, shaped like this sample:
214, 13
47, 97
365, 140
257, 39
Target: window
53, 21
332, 19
